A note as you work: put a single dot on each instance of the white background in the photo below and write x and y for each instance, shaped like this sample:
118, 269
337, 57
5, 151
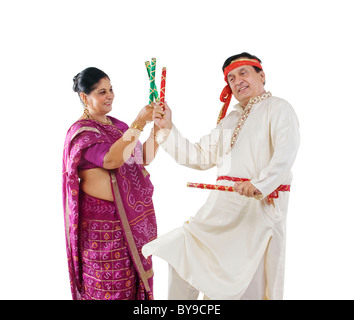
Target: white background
307, 53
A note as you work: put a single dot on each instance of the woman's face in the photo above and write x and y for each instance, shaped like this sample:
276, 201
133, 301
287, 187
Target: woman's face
100, 99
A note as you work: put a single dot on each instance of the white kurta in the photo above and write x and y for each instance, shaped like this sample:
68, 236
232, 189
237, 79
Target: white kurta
219, 249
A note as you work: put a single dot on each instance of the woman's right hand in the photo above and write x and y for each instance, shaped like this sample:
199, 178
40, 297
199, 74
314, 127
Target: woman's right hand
145, 115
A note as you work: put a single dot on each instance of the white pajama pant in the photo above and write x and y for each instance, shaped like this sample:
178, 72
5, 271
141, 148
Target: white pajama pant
179, 289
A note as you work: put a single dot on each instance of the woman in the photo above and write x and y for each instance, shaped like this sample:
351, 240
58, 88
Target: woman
107, 194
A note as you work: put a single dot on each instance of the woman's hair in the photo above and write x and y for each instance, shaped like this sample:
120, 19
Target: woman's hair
241, 55
86, 81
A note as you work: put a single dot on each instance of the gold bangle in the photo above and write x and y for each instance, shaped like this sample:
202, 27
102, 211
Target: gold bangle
136, 126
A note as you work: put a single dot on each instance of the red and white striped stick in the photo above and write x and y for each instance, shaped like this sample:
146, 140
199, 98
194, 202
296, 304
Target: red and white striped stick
210, 186
163, 87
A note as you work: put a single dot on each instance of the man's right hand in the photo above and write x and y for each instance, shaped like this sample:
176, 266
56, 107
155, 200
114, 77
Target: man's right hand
162, 118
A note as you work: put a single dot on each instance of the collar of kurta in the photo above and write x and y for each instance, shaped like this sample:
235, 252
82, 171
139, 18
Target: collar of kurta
226, 93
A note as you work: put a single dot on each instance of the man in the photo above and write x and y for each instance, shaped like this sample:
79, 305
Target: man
234, 247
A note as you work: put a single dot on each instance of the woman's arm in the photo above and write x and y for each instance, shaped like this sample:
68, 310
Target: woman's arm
122, 149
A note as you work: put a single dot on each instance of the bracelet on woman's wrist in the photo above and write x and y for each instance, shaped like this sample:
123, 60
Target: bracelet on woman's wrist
136, 126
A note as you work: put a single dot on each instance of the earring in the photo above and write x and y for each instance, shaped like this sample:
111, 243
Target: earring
87, 112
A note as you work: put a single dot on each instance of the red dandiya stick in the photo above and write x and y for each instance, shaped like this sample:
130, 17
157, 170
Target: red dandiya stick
163, 87
270, 197
210, 186
220, 188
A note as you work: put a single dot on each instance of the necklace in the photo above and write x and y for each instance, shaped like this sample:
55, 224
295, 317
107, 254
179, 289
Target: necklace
109, 121
245, 115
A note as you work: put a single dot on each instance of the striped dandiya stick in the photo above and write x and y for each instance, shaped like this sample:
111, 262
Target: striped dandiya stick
210, 186
220, 188
270, 197
148, 69
152, 80
163, 87
153, 90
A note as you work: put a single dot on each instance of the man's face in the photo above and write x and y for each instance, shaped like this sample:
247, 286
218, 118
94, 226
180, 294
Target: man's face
246, 83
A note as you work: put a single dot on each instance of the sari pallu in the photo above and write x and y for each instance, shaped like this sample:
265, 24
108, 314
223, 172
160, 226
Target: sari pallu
132, 191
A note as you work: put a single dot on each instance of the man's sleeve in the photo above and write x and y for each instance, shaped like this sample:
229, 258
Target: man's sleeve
200, 156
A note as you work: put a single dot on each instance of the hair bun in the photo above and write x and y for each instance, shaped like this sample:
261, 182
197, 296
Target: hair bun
76, 81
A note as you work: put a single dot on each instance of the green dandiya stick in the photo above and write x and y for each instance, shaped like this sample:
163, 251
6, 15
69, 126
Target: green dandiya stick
153, 89
152, 80
148, 67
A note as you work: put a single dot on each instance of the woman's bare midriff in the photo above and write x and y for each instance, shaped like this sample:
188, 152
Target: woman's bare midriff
96, 183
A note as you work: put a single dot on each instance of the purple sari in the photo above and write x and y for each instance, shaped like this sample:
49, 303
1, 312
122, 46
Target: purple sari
97, 231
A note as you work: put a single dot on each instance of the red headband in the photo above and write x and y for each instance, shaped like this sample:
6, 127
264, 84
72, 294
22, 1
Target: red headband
226, 93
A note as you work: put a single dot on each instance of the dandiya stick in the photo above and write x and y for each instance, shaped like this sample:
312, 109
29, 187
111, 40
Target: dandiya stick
210, 186
163, 87
152, 80
153, 89
148, 67
216, 187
